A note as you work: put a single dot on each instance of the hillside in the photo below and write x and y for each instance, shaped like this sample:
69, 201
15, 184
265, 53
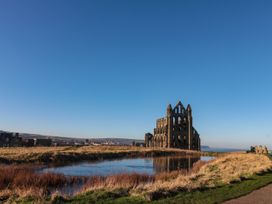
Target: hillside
119, 141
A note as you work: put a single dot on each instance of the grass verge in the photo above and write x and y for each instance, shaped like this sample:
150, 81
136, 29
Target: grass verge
207, 196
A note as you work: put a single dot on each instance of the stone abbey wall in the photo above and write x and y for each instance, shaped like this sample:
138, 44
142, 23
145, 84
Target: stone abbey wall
175, 130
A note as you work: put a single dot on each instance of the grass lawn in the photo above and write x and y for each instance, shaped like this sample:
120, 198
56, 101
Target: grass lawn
207, 196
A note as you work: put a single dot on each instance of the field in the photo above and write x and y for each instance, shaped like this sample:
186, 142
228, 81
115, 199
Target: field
224, 177
71, 154
199, 196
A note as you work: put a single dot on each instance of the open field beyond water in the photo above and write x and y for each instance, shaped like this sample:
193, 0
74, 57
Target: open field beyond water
75, 154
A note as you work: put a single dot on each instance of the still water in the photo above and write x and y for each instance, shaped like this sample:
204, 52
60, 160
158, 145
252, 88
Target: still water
149, 166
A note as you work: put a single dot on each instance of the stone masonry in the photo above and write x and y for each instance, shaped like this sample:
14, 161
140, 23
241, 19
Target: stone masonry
175, 130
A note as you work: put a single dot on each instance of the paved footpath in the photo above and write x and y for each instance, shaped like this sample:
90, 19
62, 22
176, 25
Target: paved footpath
260, 196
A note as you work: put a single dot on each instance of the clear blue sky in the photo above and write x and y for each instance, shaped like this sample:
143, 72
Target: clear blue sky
109, 68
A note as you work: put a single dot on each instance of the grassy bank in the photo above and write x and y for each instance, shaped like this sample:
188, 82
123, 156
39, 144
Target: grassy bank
24, 181
85, 153
223, 178
219, 172
17, 181
200, 196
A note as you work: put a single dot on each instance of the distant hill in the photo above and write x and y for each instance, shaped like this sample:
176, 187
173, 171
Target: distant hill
116, 141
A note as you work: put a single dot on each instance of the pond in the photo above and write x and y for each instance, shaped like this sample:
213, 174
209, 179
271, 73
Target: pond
151, 165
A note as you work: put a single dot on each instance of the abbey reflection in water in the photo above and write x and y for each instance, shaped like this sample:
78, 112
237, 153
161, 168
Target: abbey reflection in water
151, 166
161, 164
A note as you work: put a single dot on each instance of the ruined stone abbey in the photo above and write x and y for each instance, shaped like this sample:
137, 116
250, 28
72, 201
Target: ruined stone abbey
175, 130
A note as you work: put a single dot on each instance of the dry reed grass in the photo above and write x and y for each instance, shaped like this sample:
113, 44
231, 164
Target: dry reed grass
70, 153
23, 180
134, 180
126, 181
220, 171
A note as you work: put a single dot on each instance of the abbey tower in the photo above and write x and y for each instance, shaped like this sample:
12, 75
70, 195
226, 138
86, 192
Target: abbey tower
175, 130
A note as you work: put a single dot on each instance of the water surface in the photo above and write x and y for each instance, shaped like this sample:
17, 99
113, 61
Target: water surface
149, 166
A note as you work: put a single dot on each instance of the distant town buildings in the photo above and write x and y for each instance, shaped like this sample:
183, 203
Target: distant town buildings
8, 139
43, 142
28, 142
138, 144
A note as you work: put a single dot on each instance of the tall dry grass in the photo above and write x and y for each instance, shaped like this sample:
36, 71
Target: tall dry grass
70, 153
132, 181
125, 180
23, 180
220, 171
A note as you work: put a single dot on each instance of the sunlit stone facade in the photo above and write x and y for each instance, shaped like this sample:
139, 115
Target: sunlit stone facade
175, 130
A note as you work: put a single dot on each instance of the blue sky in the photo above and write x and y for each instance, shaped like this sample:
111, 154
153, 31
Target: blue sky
109, 68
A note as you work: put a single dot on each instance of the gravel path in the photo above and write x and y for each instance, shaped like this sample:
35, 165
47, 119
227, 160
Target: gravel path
260, 196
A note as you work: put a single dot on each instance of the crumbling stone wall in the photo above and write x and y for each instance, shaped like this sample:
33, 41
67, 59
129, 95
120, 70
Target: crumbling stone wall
259, 149
175, 130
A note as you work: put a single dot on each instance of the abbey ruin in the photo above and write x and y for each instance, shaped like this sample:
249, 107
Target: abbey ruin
175, 130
